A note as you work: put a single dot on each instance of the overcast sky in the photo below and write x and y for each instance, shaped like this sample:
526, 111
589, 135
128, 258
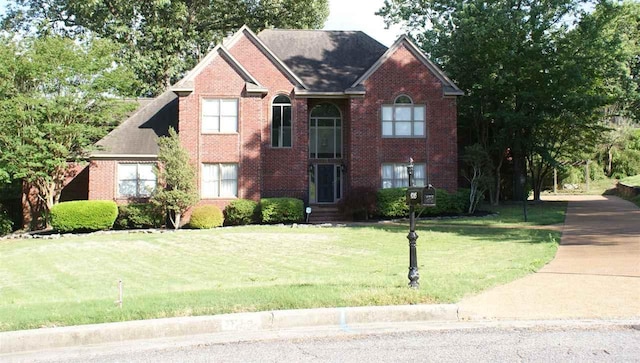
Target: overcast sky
360, 15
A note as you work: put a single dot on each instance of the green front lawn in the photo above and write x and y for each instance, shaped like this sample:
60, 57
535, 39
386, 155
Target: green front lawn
633, 181
511, 214
74, 279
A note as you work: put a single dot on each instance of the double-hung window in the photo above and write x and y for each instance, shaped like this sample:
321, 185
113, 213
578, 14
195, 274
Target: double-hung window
219, 115
136, 180
394, 175
403, 119
281, 122
219, 180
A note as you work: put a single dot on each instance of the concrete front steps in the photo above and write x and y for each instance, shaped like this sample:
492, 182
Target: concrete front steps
325, 214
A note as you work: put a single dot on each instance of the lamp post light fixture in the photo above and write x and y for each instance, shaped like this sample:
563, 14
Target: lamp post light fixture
414, 276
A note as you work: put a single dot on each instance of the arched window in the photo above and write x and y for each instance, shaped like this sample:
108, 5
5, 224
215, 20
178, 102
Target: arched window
403, 118
403, 99
281, 122
325, 132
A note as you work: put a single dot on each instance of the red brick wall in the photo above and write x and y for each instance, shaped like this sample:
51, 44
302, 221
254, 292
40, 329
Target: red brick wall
402, 73
263, 171
103, 182
284, 170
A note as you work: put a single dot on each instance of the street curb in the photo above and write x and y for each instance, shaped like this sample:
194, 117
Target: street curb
48, 338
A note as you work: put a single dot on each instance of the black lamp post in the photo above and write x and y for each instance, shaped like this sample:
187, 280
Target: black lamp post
414, 276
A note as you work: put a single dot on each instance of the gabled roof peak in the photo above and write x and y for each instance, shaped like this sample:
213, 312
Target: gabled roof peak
449, 88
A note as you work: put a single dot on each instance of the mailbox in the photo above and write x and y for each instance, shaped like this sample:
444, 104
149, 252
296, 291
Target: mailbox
429, 196
425, 197
414, 196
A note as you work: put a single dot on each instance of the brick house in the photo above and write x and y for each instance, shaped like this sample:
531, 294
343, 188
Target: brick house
309, 114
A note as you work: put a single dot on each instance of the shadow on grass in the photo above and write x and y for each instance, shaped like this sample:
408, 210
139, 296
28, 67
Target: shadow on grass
483, 233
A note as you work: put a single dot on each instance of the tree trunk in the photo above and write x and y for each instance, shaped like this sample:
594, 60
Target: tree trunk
176, 220
610, 161
496, 201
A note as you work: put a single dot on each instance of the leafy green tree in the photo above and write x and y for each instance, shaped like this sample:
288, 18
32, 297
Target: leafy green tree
177, 190
534, 71
161, 39
56, 100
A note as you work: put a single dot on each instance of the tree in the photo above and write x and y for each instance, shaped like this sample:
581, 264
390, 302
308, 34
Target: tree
56, 100
176, 191
534, 78
162, 39
477, 160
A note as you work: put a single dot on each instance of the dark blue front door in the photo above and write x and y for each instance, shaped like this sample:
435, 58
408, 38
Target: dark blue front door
326, 179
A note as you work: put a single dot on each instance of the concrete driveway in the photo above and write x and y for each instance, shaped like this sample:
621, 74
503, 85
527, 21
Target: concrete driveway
596, 272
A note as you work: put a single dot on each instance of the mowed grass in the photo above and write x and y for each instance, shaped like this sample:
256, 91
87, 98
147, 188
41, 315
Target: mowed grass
631, 181
511, 214
74, 280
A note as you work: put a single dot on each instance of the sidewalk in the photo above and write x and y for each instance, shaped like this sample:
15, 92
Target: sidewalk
596, 272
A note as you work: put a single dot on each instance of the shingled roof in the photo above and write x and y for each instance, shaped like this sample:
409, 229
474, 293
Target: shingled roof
138, 135
326, 61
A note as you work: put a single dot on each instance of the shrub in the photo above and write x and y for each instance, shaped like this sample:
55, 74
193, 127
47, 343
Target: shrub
84, 215
281, 210
241, 212
205, 217
6, 225
627, 163
139, 215
391, 203
359, 204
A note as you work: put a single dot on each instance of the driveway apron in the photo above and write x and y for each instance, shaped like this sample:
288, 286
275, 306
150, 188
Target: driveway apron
595, 274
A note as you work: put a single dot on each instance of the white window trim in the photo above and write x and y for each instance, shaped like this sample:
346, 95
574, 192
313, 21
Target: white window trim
395, 179
138, 180
413, 121
204, 195
219, 116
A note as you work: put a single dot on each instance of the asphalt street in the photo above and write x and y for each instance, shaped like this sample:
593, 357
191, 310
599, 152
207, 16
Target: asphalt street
557, 341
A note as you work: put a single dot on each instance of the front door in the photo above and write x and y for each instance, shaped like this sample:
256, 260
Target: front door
326, 183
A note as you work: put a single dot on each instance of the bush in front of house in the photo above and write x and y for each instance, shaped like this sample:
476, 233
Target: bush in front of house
139, 215
240, 212
359, 203
6, 225
281, 210
83, 215
206, 216
391, 203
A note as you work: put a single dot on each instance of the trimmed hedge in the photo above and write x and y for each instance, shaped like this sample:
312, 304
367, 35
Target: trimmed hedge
281, 210
391, 203
84, 215
206, 216
139, 215
240, 212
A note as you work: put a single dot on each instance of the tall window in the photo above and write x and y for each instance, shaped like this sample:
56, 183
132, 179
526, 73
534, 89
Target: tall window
395, 175
219, 180
136, 180
403, 119
281, 122
325, 132
219, 115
